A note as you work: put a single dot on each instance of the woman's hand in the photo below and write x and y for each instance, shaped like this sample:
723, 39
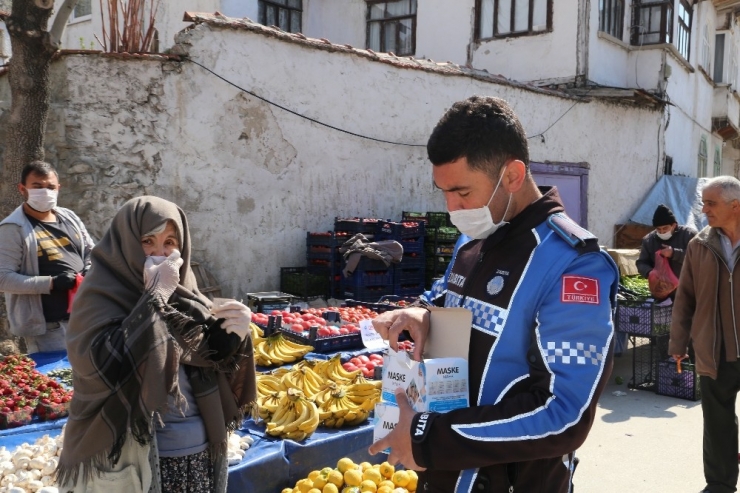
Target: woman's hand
162, 277
236, 316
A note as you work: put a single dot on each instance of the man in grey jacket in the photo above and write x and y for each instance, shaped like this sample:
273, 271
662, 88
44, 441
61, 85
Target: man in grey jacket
43, 248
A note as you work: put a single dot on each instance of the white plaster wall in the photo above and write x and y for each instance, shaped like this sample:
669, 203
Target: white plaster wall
339, 21
444, 30
608, 56
542, 56
253, 179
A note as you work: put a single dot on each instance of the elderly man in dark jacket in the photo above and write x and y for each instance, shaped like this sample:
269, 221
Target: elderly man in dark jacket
668, 238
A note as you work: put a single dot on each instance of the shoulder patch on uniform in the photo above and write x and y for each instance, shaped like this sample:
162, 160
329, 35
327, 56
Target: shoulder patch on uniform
572, 233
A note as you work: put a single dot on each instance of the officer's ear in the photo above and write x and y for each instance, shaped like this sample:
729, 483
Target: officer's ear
514, 175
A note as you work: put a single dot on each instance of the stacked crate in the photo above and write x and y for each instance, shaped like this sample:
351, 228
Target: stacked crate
323, 258
372, 279
440, 240
408, 279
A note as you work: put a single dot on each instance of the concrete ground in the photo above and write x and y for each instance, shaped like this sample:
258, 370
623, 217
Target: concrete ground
641, 442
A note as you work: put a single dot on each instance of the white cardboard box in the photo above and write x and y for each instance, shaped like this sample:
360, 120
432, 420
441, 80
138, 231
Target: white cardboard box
439, 383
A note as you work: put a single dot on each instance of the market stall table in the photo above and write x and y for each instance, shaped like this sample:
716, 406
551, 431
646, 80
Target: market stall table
269, 465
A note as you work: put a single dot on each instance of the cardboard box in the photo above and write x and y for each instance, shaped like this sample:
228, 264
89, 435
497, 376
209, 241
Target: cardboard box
439, 383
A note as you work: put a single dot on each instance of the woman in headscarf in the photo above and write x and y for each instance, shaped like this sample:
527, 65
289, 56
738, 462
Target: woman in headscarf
160, 374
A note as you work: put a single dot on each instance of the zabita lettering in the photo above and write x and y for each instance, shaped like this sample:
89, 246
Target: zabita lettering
448, 371
399, 377
456, 279
421, 425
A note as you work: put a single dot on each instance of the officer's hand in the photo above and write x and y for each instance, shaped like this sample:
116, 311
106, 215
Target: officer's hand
65, 281
414, 319
399, 440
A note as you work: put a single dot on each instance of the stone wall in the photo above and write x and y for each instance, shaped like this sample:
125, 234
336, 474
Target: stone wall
254, 178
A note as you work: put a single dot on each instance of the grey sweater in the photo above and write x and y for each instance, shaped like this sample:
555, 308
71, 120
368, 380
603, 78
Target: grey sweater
19, 270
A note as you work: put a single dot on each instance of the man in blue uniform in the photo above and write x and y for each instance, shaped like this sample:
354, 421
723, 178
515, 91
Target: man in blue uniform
540, 290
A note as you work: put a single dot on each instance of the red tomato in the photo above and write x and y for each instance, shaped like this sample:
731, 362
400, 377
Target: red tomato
323, 332
370, 365
296, 328
376, 357
356, 361
363, 358
343, 331
349, 367
367, 373
334, 330
276, 312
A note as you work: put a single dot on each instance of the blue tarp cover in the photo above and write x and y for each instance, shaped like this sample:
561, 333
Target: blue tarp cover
269, 465
681, 194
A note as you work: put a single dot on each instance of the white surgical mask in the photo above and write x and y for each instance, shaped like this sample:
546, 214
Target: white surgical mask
478, 223
42, 199
664, 236
154, 260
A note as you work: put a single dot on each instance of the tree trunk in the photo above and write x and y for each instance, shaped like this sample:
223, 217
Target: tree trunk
28, 76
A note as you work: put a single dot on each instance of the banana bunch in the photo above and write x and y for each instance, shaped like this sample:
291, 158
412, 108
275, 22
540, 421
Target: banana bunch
305, 379
268, 384
295, 416
339, 410
257, 332
267, 405
277, 350
364, 393
333, 370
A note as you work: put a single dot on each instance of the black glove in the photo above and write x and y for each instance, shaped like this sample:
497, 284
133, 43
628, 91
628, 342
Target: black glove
64, 281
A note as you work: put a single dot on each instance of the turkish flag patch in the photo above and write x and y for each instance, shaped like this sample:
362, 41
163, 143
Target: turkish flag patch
577, 289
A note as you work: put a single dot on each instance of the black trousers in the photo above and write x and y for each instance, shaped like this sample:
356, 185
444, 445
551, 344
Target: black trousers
720, 428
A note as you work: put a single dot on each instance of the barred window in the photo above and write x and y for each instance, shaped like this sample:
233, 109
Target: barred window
504, 18
702, 171
717, 161
391, 27
652, 23
285, 14
611, 17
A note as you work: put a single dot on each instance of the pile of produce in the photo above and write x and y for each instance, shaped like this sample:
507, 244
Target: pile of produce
634, 288
349, 477
294, 402
25, 392
30, 467
275, 349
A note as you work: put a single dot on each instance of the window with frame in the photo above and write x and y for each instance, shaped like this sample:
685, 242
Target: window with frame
391, 27
285, 14
702, 169
652, 22
503, 18
706, 49
83, 8
611, 17
717, 161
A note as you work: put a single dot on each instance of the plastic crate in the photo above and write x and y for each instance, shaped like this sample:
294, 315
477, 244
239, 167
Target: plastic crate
416, 260
361, 278
646, 353
304, 283
326, 344
432, 219
390, 230
443, 234
365, 293
410, 289
643, 318
413, 245
356, 225
684, 385
405, 275
329, 239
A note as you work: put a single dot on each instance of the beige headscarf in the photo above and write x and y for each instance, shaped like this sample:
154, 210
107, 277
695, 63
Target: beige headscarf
125, 348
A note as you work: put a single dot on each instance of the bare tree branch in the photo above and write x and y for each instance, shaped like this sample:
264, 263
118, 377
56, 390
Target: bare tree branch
60, 22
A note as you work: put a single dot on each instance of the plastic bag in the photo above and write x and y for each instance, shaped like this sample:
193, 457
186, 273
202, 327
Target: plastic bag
661, 280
